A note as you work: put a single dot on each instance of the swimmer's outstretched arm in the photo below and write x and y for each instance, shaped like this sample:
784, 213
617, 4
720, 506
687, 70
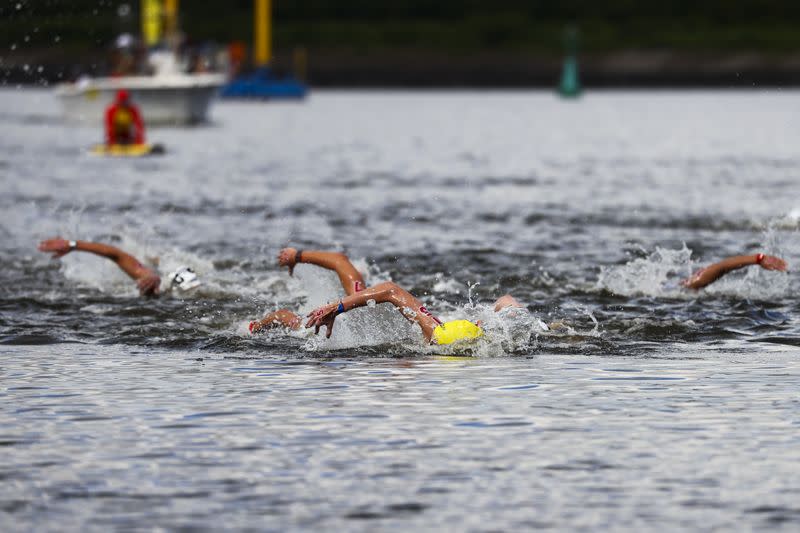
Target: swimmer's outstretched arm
712, 273
387, 292
280, 318
146, 279
351, 279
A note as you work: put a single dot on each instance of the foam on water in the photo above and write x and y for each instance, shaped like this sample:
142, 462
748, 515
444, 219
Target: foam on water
790, 220
446, 284
657, 274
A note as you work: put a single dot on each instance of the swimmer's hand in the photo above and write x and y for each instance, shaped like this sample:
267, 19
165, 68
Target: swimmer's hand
281, 317
286, 258
149, 284
323, 316
693, 281
770, 262
58, 247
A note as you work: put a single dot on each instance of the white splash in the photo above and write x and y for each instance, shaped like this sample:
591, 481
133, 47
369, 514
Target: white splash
790, 220
447, 285
658, 274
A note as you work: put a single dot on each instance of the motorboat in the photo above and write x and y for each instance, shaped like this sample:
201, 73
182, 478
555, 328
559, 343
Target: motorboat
158, 82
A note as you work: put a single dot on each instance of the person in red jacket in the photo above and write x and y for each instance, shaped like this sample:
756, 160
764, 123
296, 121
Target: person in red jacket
123, 121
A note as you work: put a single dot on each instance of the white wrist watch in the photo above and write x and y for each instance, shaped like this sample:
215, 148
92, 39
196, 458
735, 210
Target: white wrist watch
73, 245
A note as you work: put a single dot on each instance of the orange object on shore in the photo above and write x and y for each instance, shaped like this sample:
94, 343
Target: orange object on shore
237, 54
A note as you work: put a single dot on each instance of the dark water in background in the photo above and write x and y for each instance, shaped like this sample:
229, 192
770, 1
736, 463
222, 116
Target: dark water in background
647, 407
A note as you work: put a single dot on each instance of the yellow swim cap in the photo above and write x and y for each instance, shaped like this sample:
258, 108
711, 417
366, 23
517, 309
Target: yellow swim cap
456, 330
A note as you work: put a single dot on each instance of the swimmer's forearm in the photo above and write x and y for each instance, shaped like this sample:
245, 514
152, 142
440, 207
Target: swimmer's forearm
405, 302
713, 272
281, 317
349, 277
387, 292
326, 315
129, 264
381, 293
329, 260
104, 250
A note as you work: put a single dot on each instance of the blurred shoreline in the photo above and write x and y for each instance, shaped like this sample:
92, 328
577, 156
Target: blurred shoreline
435, 69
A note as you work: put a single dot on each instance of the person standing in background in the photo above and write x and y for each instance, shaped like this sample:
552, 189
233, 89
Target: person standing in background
124, 123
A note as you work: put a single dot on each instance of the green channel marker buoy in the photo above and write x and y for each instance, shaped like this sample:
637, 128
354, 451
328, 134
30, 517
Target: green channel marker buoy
570, 86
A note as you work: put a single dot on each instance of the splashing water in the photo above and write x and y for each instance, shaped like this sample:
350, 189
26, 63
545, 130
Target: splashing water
790, 220
446, 285
658, 274
594, 332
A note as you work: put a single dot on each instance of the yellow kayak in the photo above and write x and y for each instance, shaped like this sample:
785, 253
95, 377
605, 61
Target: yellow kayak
127, 150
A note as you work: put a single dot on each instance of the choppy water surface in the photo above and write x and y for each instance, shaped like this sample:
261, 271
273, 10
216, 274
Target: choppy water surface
645, 406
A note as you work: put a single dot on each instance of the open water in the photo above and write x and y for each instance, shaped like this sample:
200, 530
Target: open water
643, 406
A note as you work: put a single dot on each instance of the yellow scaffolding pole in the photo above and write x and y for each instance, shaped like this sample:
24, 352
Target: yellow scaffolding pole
262, 31
151, 21
170, 18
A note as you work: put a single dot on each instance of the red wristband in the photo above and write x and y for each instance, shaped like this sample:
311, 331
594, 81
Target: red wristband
759, 258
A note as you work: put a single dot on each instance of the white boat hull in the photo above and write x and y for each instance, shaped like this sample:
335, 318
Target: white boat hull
163, 100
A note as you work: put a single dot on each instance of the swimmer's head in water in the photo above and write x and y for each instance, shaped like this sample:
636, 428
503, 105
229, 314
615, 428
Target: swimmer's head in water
183, 278
456, 330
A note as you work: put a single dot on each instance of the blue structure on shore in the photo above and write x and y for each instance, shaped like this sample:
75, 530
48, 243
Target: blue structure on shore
263, 84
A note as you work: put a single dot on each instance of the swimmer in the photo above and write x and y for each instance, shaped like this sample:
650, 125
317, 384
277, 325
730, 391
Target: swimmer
434, 330
708, 275
350, 278
147, 280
